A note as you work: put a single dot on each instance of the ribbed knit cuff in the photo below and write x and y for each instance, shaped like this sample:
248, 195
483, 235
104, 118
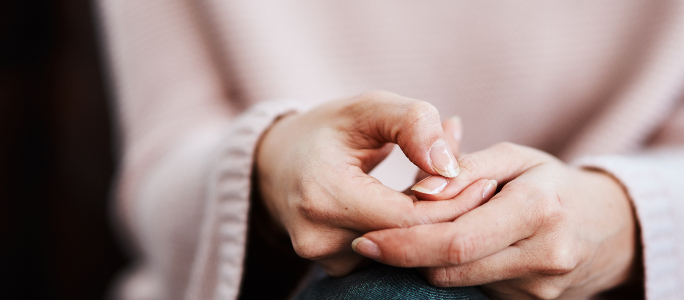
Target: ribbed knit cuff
655, 184
218, 264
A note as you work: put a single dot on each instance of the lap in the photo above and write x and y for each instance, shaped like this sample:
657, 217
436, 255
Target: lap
382, 282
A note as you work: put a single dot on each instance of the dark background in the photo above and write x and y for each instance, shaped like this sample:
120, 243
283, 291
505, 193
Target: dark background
56, 155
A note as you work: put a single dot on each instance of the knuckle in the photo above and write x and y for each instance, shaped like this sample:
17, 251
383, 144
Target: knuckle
546, 290
308, 208
405, 257
437, 277
547, 204
554, 214
446, 277
315, 212
407, 217
537, 156
469, 163
559, 260
311, 206
421, 110
552, 207
361, 104
461, 249
306, 246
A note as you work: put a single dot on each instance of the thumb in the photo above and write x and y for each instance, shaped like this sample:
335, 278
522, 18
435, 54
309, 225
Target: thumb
383, 117
452, 131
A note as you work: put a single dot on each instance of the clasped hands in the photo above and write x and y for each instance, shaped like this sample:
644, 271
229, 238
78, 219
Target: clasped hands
552, 231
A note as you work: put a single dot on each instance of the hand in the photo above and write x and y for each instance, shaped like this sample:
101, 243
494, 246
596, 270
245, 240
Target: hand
312, 174
553, 231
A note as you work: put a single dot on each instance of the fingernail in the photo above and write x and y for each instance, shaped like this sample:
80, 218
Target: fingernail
431, 185
366, 248
458, 127
442, 160
489, 189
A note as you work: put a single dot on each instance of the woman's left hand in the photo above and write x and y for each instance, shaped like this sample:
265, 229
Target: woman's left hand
553, 231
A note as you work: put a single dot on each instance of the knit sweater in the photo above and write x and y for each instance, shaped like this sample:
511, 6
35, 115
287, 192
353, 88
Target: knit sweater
597, 84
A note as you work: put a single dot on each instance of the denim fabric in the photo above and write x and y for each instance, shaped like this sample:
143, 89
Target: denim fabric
383, 282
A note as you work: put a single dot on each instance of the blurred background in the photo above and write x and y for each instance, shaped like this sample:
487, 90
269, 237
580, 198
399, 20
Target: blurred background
56, 158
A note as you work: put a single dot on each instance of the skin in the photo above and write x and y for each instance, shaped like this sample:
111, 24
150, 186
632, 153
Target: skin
553, 231
312, 174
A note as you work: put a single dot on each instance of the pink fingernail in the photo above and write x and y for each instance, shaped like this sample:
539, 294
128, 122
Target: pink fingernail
366, 248
443, 161
431, 185
489, 189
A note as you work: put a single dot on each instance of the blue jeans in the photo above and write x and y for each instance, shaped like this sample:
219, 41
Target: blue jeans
382, 282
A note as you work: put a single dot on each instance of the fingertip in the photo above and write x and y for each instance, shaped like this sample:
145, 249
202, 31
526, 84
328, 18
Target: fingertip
452, 170
431, 185
467, 198
489, 189
443, 160
366, 248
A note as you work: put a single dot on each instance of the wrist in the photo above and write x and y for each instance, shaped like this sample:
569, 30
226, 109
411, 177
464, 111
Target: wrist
632, 275
263, 224
267, 161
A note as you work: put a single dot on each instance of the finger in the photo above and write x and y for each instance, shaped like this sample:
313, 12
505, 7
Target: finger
420, 175
328, 246
315, 242
378, 207
501, 162
509, 263
507, 218
383, 117
453, 130
428, 187
526, 259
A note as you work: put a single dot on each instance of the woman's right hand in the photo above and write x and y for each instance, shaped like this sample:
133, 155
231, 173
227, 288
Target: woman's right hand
313, 174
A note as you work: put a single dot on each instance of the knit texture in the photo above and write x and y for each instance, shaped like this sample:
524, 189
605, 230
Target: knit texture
576, 79
654, 183
221, 249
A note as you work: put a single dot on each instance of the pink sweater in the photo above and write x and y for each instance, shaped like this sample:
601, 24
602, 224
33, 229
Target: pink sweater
596, 83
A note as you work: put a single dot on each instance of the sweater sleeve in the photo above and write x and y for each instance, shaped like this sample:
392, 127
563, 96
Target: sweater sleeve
654, 180
186, 152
